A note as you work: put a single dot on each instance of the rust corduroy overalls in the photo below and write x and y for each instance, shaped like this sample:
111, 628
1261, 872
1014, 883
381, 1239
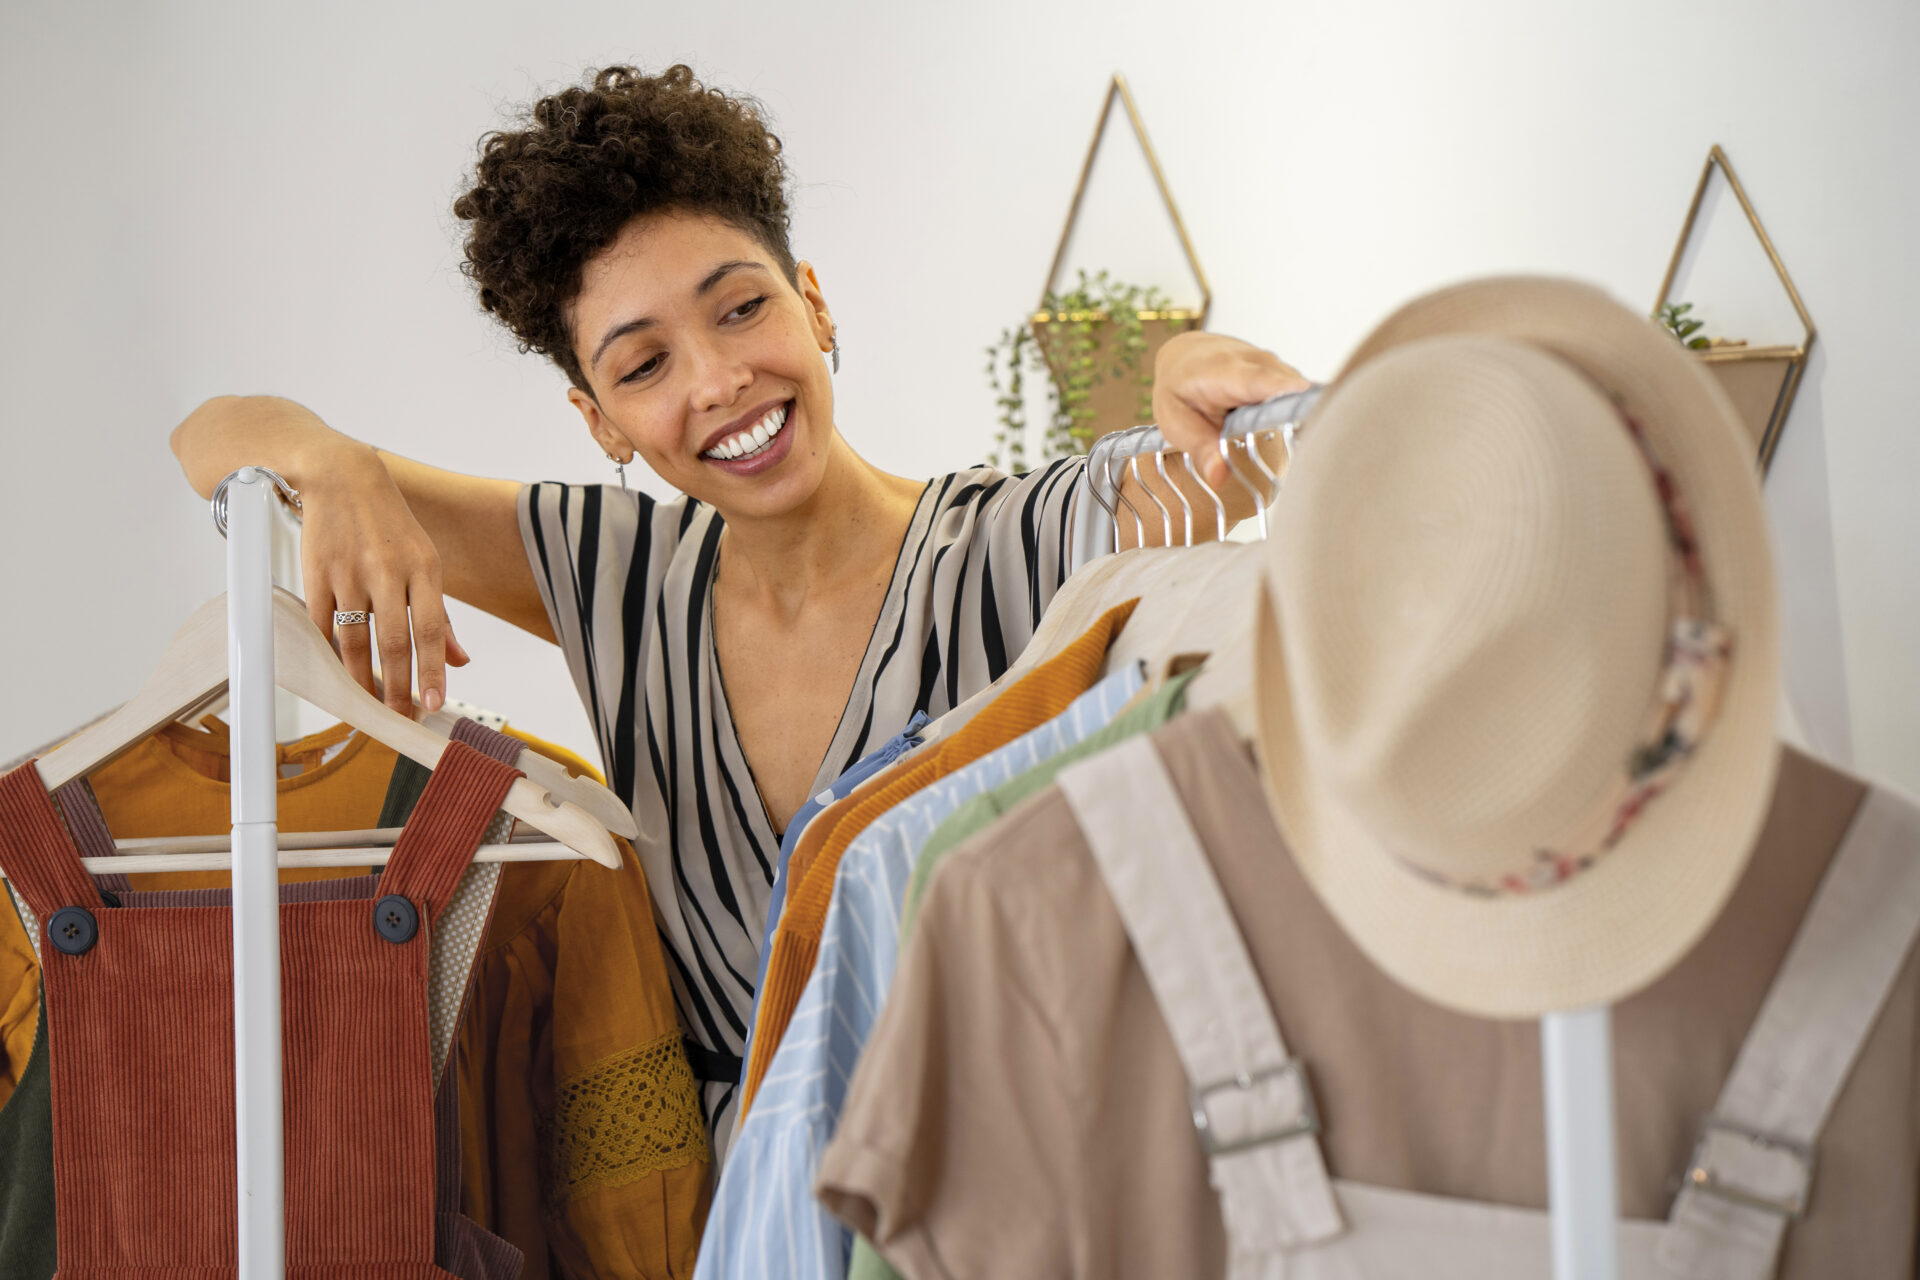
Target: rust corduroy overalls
139, 1024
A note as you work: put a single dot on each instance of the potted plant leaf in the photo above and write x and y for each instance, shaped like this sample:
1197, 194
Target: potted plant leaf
1095, 345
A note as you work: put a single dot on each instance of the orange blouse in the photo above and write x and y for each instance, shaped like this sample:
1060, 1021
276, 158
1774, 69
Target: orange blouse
1036, 698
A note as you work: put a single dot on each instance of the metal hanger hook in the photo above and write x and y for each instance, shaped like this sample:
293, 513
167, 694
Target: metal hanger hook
1166, 516
1219, 507
1260, 461
1120, 492
1259, 498
1186, 508
1093, 486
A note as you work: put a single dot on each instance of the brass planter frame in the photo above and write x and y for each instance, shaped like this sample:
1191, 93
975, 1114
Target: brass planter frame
1727, 361
1162, 321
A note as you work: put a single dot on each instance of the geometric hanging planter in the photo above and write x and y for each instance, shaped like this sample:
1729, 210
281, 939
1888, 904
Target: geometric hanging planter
1101, 365
1761, 377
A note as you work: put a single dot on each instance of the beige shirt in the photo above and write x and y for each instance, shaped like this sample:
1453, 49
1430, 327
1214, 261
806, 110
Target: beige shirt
1021, 1110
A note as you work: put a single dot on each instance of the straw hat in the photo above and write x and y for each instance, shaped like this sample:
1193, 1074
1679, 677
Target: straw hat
1517, 662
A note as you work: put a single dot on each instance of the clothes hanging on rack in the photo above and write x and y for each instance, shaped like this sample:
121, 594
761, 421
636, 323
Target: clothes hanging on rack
170, 784
1042, 694
174, 783
764, 1218
579, 1121
26, 1122
627, 583
1022, 1108
584, 1139
889, 752
1144, 715
359, 1098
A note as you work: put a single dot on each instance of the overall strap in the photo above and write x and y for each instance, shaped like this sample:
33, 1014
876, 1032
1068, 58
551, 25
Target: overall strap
35, 850
461, 1246
1753, 1168
88, 827
1251, 1104
446, 827
488, 742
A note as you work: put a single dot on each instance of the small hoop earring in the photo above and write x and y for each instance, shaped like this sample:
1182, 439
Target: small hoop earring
836, 351
621, 468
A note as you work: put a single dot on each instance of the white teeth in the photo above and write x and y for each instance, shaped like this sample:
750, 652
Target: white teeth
752, 440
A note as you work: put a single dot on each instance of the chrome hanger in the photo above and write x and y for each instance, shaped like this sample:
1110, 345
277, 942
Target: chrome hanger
1186, 508
1166, 516
1219, 507
1259, 497
1120, 492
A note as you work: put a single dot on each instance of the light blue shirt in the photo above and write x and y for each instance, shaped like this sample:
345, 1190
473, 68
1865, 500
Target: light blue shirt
842, 787
764, 1220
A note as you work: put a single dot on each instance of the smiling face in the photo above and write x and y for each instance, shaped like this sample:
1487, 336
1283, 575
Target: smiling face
706, 362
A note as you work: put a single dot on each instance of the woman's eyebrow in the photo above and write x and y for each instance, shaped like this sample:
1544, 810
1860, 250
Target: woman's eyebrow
724, 270
706, 286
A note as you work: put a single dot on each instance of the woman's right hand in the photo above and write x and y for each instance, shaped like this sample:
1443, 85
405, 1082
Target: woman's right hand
380, 534
362, 550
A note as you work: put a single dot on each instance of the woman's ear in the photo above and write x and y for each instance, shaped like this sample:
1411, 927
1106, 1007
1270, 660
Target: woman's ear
611, 442
817, 313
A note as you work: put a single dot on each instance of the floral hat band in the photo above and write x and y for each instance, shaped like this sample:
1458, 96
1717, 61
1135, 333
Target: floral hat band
1687, 698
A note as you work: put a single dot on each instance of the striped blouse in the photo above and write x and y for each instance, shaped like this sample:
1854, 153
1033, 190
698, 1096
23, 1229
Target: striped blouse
627, 581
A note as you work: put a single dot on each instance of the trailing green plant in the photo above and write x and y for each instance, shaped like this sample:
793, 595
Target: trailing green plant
1006, 364
1674, 316
1071, 361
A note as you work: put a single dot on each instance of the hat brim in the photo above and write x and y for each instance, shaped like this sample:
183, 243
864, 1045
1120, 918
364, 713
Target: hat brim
1619, 925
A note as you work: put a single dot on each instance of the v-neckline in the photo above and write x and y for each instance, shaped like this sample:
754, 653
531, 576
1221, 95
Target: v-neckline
890, 605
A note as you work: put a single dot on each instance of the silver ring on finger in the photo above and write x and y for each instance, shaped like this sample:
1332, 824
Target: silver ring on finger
350, 617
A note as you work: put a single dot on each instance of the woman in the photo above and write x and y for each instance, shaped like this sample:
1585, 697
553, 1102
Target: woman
635, 233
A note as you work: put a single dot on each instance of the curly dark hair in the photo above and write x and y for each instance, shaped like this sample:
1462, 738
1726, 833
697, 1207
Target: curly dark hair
593, 157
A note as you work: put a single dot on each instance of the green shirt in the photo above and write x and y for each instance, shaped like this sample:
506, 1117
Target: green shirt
982, 811
26, 1153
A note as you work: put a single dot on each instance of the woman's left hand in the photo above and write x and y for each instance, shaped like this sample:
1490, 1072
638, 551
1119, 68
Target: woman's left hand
1198, 378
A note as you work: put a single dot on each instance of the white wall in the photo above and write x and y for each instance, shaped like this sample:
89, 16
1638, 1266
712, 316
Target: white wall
204, 198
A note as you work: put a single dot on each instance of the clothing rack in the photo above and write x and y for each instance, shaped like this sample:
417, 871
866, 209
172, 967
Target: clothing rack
260, 1157
1576, 1046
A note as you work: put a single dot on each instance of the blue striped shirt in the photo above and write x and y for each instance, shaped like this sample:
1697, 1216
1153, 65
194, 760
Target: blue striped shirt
843, 786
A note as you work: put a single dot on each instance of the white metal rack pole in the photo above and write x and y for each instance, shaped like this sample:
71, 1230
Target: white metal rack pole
258, 1123
1583, 1189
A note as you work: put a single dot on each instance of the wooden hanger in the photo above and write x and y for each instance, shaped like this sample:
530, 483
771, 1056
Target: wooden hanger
370, 848
194, 670
561, 785
551, 774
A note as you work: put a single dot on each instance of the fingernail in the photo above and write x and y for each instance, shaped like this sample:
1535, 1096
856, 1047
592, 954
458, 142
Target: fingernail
432, 699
